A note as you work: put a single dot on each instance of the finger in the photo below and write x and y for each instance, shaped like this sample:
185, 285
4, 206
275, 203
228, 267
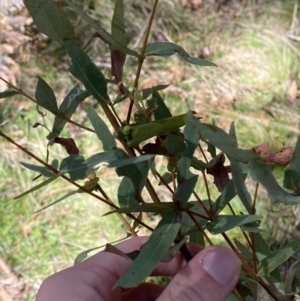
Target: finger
144, 292
163, 268
210, 276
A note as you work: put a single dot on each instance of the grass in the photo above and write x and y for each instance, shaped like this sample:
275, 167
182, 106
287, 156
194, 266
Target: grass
249, 87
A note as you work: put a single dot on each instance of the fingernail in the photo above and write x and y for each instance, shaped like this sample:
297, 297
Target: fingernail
221, 264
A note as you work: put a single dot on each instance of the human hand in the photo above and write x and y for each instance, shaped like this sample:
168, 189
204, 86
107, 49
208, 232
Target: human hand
211, 275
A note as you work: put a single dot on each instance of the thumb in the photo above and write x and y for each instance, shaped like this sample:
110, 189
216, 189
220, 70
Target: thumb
210, 276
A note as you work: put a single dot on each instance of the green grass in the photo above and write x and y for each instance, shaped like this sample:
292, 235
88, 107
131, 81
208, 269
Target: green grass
248, 87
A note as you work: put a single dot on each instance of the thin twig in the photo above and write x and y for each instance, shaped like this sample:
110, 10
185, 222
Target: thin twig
142, 54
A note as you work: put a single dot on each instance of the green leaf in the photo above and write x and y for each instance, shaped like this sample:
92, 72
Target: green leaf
225, 142
185, 179
273, 261
200, 165
75, 166
102, 131
197, 61
244, 251
262, 173
67, 109
50, 20
148, 91
152, 252
40, 169
105, 36
167, 49
197, 238
223, 223
187, 224
45, 97
129, 161
146, 207
224, 198
161, 111
117, 25
127, 194
238, 177
175, 144
185, 188
57, 201
291, 178
134, 134
8, 93
108, 156
87, 72
137, 173
44, 183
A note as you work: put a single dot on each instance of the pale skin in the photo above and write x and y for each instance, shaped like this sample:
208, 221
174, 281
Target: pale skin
211, 275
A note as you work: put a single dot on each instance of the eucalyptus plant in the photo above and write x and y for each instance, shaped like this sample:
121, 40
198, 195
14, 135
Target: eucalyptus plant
192, 148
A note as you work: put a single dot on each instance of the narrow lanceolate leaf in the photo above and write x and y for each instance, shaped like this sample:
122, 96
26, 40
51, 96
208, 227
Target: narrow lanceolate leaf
8, 93
185, 179
152, 252
40, 169
262, 173
223, 223
50, 19
185, 188
187, 224
45, 97
225, 142
162, 111
44, 183
118, 57
102, 131
168, 49
105, 36
127, 194
57, 201
117, 25
238, 176
271, 262
291, 179
128, 161
76, 166
225, 197
87, 72
136, 172
148, 91
108, 157
67, 109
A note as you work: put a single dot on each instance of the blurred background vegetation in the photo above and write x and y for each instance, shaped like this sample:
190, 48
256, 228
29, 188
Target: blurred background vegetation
255, 44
